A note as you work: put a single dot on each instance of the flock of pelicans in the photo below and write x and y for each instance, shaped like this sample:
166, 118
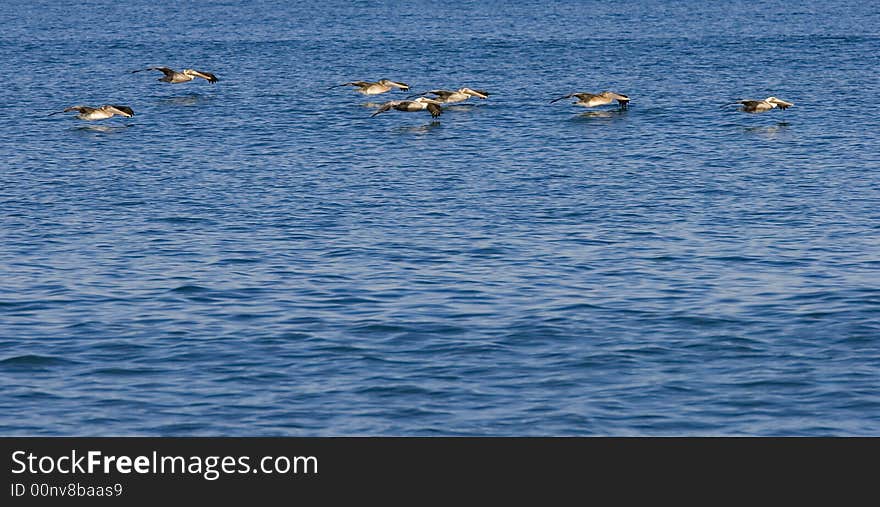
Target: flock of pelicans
111, 110
430, 101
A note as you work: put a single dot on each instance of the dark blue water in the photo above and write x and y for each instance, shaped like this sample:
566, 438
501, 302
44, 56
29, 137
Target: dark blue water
260, 257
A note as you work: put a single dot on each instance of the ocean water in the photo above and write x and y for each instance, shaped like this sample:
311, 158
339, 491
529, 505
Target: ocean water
261, 257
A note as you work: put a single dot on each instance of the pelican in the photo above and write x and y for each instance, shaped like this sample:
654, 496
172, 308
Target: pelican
98, 113
593, 100
761, 106
450, 96
172, 76
374, 87
411, 106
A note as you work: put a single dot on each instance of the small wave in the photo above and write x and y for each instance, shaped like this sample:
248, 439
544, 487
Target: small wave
734, 258
124, 372
190, 289
185, 220
33, 362
22, 306
579, 306
237, 260
379, 329
394, 390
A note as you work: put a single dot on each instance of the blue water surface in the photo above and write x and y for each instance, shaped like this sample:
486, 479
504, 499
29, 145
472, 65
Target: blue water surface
261, 257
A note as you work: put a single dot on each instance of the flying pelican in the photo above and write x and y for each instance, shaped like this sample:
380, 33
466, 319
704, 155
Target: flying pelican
98, 113
450, 96
374, 87
411, 106
172, 76
761, 106
593, 100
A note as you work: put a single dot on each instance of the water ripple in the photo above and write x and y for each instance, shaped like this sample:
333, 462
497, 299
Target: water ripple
260, 257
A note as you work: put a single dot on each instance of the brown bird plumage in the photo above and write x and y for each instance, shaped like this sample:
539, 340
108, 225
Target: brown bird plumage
98, 113
596, 99
172, 76
761, 106
411, 106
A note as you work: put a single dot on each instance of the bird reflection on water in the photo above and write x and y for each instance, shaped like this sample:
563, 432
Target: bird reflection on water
605, 115
190, 99
420, 129
100, 129
768, 131
464, 107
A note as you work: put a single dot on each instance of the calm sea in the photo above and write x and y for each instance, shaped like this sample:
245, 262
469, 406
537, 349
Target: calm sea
261, 257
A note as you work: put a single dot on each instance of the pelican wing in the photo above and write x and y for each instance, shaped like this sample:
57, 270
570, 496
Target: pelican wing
79, 109
439, 93
563, 97
580, 95
782, 104
120, 110
435, 110
621, 99
353, 83
443, 94
165, 70
211, 78
750, 104
385, 107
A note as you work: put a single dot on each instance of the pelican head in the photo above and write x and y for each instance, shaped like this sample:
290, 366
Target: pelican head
614, 95
761, 106
193, 73
388, 82
124, 111
781, 104
480, 94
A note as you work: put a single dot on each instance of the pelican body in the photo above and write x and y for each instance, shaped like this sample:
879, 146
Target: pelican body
375, 87
762, 106
174, 77
460, 95
596, 99
98, 113
412, 106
